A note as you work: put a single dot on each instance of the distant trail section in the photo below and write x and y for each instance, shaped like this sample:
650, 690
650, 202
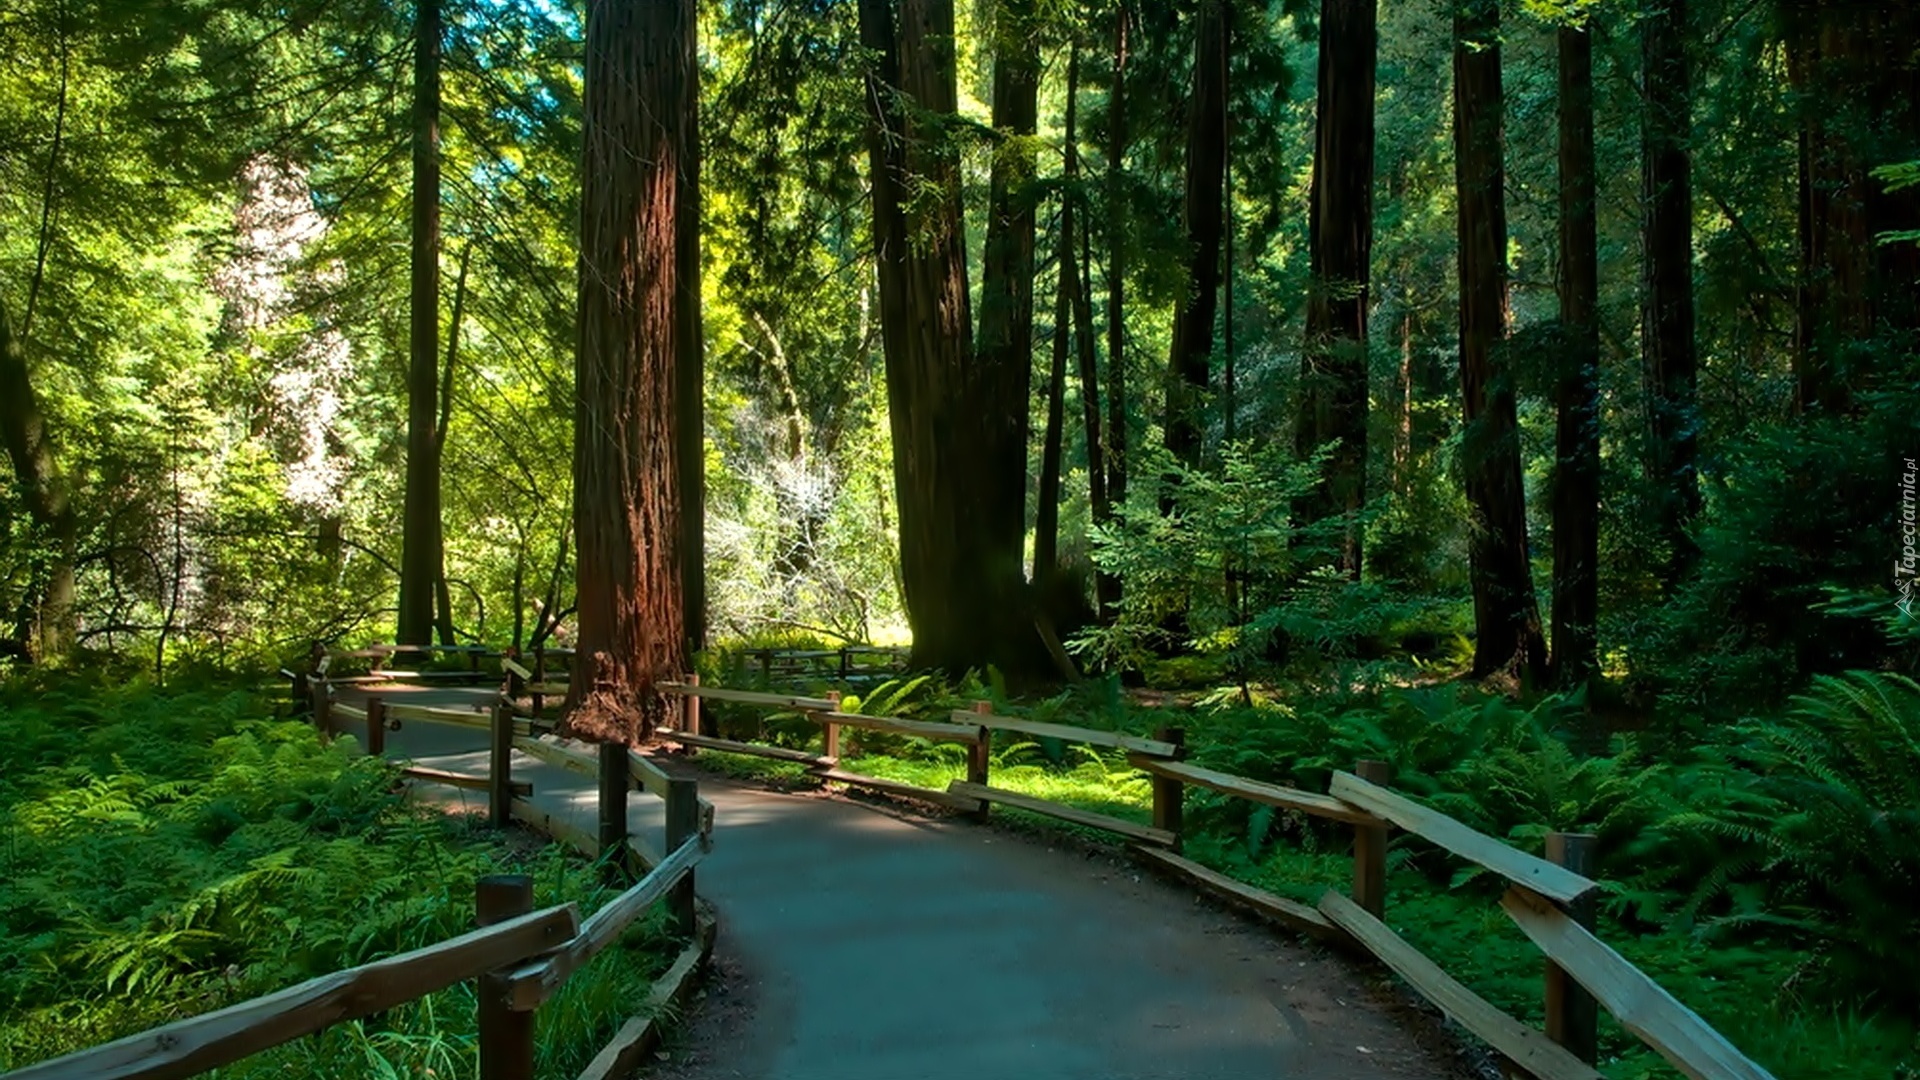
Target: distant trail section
864, 943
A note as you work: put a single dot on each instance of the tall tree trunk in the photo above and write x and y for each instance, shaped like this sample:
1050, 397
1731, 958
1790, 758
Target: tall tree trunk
1046, 511
1576, 478
636, 336
420, 542
689, 389
960, 562
1117, 442
1859, 107
1333, 401
443, 596
1506, 618
1106, 589
36, 469
1189, 367
1003, 372
1666, 336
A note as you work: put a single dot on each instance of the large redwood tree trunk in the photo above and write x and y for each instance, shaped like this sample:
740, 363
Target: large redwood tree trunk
1189, 372
1333, 385
961, 555
1859, 92
1506, 618
421, 545
1576, 477
639, 329
1667, 320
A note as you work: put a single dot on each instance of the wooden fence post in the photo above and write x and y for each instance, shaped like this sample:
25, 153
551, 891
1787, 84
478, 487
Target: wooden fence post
615, 777
376, 727
500, 768
979, 755
322, 709
830, 734
683, 823
539, 679
1169, 796
1370, 847
506, 1036
1572, 1016
692, 719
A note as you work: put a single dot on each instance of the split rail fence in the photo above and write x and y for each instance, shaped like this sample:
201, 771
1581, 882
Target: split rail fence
1551, 900
518, 957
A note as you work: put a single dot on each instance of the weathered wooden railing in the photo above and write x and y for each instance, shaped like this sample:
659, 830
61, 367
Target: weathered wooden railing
1551, 901
519, 957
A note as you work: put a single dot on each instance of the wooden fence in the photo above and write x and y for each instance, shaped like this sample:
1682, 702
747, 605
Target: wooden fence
518, 957
1551, 899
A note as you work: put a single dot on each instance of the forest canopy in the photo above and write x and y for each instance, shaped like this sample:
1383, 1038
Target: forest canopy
1545, 340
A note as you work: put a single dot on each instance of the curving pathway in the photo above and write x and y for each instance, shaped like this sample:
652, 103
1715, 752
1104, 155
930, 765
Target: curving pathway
861, 943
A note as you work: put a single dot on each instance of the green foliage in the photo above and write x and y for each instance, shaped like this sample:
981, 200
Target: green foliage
169, 854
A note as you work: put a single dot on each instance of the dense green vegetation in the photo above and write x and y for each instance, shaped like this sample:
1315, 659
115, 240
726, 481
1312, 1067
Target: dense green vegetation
170, 853
1522, 391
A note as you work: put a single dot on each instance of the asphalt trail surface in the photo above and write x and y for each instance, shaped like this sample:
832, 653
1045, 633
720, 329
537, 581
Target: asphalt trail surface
859, 941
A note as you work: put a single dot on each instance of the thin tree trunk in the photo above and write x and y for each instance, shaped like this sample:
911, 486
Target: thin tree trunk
1046, 512
1333, 401
1666, 337
1003, 372
50, 190
420, 544
689, 388
1189, 367
443, 596
1506, 618
1106, 589
1576, 481
1403, 409
637, 193
1117, 441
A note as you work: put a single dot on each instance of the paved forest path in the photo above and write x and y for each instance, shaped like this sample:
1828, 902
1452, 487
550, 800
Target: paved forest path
858, 942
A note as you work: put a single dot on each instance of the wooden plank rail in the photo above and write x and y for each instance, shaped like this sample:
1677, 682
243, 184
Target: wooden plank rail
731, 746
430, 715
1065, 813
1526, 1047
649, 777
638, 1036
1639, 1003
1091, 736
188, 1047
1539, 875
1286, 798
346, 711
748, 697
1290, 913
476, 781
534, 983
934, 730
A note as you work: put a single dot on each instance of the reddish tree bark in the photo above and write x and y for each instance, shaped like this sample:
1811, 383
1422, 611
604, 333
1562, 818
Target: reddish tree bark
1506, 618
960, 563
639, 328
1667, 319
1576, 479
1333, 386
36, 468
1189, 367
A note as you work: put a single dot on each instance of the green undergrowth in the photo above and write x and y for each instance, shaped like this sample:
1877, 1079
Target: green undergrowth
167, 854
1761, 872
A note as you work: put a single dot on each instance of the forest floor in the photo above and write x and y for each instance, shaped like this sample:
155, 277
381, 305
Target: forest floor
860, 942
